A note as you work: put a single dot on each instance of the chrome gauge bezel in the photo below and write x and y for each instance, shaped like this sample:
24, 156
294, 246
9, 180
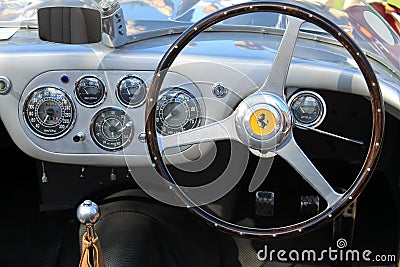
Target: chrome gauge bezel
39, 134
122, 101
124, 143
101, 99
320, 100
192, 98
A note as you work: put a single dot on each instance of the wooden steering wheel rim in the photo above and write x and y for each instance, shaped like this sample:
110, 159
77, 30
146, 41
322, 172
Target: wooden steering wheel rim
376, 99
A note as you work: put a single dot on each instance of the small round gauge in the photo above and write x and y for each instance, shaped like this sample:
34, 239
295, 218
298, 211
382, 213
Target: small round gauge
131, 91
49, 112
90, 91
177, 110
111, 128
308, 108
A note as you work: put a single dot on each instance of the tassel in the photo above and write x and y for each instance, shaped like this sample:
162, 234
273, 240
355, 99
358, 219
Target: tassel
92, 256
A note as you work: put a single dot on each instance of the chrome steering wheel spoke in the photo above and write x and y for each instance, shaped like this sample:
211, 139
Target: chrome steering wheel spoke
265, 123
295, 156
275, 82
220, 130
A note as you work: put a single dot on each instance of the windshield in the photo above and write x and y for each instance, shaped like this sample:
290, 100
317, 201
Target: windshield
358, 18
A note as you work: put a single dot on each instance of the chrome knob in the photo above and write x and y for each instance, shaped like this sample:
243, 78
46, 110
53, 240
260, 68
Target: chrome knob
88, 213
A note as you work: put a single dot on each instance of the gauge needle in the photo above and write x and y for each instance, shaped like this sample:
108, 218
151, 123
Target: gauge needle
174, 112
301, 105
129, 124
168, 116
46, 118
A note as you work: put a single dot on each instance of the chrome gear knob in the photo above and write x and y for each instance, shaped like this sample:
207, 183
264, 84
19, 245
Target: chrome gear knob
88, 213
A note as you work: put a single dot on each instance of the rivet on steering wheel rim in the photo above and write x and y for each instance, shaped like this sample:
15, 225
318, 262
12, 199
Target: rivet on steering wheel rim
375, 98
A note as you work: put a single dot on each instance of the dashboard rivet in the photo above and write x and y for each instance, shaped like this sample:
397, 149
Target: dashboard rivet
369, 169
350, 197
376, 144
274, 235
373, 84
330, 215
300, 230
379, 110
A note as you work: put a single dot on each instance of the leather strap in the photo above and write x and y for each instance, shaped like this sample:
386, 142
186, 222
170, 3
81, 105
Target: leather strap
92, 255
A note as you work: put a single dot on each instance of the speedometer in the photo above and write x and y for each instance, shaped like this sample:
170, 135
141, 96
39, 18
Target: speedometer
49, 112
177, 111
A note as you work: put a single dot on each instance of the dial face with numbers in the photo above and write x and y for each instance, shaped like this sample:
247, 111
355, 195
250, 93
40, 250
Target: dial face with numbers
177, 111
111, 128
49, 112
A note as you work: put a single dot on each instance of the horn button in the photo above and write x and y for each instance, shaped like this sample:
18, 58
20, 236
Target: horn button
263, 121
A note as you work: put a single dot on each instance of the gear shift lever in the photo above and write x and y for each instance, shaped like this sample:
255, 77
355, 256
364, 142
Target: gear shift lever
88, 213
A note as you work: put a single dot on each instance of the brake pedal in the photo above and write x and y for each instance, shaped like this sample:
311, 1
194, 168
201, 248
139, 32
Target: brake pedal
265, 202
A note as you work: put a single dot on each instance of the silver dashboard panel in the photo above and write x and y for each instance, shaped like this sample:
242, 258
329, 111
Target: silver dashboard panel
30, 64
84, 114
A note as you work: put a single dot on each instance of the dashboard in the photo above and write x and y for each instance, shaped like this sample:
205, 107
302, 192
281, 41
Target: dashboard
95, 112
88, 108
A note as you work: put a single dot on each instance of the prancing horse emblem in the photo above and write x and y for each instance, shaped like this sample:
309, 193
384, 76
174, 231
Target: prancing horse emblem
261, 121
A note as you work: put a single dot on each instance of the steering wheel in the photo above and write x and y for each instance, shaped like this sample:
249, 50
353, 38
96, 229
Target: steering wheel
277, 137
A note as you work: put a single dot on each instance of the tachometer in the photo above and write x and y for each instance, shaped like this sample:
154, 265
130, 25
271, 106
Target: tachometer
177, 111
111, 128
49, 112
